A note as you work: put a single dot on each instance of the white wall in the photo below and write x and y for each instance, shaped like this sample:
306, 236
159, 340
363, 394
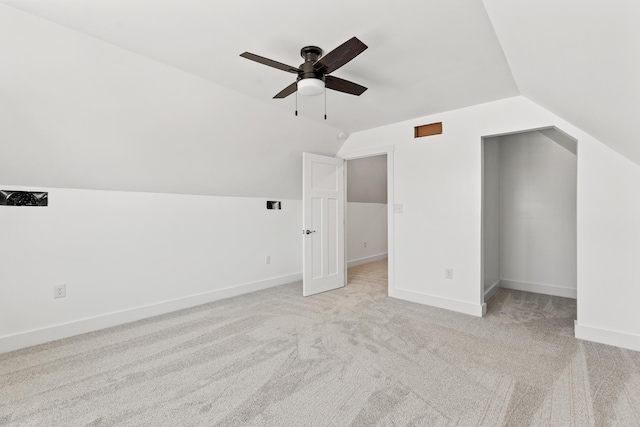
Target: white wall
366, 223
491, 215
367, 180
438, 181
126, 255
608, 247
537, 215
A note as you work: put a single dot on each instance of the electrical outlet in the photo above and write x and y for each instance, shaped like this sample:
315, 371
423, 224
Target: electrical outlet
267, 259
448, 273
365, 244
59, 291
398, 208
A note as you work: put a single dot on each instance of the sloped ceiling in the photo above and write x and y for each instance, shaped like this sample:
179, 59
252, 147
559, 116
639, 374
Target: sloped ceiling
76, 112
579, 59
152, 96
423, 57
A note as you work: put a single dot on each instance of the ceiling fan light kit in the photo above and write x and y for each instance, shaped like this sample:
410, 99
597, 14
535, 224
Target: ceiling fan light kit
310, 87
313, 75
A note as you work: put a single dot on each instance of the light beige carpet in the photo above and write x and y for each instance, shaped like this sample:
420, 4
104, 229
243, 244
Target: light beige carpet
347, 357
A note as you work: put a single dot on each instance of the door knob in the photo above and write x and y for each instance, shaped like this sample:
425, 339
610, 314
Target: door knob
308, 231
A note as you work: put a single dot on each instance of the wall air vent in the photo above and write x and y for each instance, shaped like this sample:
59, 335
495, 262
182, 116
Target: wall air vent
427, 130
23, 198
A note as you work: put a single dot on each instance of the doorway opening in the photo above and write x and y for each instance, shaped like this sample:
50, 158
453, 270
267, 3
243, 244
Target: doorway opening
366, 211
369, 222
529, 216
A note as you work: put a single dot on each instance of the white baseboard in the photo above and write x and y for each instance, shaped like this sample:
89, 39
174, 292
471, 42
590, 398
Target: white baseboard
477, 310
56, 332
366, 260
605, 336
539, 289
493, 289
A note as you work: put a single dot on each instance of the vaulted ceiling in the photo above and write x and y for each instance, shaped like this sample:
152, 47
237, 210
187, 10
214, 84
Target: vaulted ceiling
579, 59
153, 96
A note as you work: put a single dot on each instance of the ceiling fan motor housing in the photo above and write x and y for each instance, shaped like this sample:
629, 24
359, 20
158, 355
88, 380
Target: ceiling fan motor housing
310, 54
310, 81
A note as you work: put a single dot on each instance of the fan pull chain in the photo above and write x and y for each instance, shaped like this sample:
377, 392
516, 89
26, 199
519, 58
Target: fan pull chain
296, 103
325, 103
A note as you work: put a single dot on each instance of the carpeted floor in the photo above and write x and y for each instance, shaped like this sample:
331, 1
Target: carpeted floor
346, 357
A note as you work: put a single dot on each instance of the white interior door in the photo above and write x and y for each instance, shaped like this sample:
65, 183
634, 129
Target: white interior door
323, 222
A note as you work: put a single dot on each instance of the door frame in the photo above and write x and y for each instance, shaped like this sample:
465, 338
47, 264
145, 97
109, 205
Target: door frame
372, 152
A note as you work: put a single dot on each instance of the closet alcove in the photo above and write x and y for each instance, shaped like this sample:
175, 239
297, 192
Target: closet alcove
529, 240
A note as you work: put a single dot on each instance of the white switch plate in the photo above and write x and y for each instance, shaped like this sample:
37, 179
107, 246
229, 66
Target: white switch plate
398, 208
267, 259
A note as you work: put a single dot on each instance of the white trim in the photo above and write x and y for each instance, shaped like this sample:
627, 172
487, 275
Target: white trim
536, 129
366, 260
90, 324
369, 152
605, 336
477, 310
381, 151
492, 290
539, 288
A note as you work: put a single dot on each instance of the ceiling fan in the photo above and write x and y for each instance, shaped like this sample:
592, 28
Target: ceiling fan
313, 74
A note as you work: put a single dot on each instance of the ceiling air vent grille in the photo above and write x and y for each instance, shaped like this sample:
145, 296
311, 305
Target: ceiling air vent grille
427, 130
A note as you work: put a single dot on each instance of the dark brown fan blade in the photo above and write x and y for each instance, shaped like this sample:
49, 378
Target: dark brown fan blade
287, 90
270, 62
343, 85
340, 55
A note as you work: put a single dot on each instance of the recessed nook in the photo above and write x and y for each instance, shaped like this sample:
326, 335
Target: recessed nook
529, 216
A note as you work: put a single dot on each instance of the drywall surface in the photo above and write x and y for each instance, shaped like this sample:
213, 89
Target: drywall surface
608, 244
574, 58
537, 211
438, 182
76, 112
491, 213
206, 37
124, 251
366, 224
367, 180
562, 139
